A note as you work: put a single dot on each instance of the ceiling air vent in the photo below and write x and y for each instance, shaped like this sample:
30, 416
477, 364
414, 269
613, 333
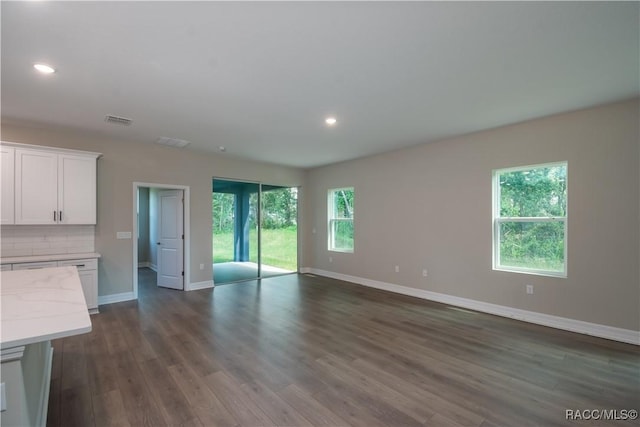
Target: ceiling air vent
118, 120
172, 142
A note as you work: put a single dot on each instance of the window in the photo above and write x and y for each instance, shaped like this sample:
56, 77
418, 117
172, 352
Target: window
530, 219
341, 219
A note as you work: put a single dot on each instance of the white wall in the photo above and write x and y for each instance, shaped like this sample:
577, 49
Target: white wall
430, 207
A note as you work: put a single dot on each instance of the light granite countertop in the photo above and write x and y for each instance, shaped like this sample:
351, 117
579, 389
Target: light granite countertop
44, 258
41, 305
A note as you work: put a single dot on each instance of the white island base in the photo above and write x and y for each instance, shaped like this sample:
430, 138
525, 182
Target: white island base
37, 307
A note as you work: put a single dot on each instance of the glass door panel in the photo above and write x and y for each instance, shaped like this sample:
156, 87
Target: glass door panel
279, 231
254, 233
234, 212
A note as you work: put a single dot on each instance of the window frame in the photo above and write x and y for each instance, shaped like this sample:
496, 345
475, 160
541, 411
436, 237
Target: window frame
497, 220
331, 220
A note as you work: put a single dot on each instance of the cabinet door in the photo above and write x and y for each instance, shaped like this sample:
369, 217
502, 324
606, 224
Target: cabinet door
89, 280
76, 189
88, 272
8, 162
36, 187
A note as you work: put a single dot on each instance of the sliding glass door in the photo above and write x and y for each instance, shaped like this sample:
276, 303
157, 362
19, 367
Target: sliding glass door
235, 234
254, 230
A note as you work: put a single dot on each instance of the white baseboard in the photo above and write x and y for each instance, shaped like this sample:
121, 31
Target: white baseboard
153, 267
201, 285
143, 264
305, 270
114, 298
603, 331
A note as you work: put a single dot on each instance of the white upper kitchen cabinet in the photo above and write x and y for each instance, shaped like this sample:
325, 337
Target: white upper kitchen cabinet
76, 187
52, 186
7, 190
36, 184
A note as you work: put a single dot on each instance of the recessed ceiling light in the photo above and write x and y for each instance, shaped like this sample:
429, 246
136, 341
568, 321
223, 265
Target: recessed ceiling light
222, 148
44, 68
330, 121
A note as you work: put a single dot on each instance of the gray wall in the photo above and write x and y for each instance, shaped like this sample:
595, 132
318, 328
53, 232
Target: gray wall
125, 162
430, 207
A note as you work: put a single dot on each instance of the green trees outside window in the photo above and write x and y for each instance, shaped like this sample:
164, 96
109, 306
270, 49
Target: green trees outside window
530, 219
279, 227
341, 210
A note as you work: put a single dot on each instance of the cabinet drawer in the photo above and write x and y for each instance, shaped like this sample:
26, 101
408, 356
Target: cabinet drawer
81, 264
34, 265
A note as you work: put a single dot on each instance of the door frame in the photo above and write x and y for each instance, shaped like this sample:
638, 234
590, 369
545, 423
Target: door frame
186, 227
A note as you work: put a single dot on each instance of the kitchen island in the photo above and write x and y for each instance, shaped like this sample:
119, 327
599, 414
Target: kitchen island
37, 306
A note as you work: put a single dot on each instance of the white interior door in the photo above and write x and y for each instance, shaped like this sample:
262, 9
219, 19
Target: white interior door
170, 239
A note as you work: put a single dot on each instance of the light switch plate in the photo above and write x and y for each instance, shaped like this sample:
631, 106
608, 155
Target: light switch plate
123, 235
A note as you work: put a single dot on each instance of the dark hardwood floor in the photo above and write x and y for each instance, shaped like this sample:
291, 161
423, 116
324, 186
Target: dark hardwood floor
299, 350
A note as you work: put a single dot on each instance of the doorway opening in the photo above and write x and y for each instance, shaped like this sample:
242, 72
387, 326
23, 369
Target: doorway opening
255, 230
160, 237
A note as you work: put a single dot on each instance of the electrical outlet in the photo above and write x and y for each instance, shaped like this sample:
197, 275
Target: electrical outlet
330, 259
201, 266
424, 273
529, 289
397, 269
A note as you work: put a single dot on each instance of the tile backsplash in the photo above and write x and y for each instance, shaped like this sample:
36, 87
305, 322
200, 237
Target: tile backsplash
25, 240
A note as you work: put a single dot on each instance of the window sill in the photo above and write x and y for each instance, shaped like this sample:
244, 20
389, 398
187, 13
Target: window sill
557, 274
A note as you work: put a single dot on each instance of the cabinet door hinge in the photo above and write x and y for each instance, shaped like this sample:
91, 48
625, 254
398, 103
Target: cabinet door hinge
183, 273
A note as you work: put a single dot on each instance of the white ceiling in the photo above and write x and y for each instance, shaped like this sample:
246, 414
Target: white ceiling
259, 78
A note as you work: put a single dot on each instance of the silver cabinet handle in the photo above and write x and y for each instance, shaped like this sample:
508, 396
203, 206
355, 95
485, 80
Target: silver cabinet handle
60, 216
54, 216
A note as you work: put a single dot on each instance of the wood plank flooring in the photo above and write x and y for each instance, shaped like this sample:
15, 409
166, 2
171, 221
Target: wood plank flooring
299, 350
